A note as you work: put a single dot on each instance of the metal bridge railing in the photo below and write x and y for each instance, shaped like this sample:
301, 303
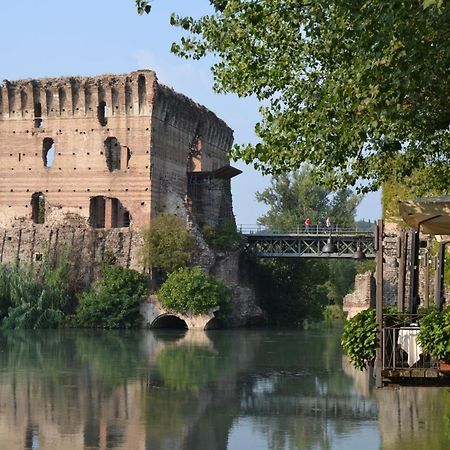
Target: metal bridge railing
302, 229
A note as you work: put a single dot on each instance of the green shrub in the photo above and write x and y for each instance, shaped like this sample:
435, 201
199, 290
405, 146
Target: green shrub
39, 297
167, 244
224, 237
190, 290
434, 334
5, 290
113, 299
359, 339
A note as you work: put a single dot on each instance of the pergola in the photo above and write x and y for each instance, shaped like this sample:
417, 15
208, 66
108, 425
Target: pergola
427, 216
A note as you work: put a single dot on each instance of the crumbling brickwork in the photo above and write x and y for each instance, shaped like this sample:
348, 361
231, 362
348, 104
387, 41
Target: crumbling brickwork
100, 157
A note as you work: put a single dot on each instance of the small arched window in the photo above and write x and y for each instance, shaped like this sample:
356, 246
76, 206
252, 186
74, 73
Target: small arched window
38, 207
48, 152
38, 122
102, 114
112, 153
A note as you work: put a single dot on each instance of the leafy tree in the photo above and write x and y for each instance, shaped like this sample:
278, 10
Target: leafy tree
113, 299
294, 196
167, 244
294, 289
191, 291
358, 89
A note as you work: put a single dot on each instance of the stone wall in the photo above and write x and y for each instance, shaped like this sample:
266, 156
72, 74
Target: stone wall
106, 152
89, 161
362, 297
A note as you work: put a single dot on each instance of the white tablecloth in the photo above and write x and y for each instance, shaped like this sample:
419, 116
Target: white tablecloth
407, 339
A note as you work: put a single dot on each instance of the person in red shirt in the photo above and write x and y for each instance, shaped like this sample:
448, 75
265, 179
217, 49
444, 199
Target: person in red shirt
307, 224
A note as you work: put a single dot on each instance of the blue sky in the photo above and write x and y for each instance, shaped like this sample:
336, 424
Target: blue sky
91, 37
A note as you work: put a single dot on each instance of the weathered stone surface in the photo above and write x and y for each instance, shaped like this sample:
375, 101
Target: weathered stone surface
362, 297
152, 311
89, 161
245, 308
157, 138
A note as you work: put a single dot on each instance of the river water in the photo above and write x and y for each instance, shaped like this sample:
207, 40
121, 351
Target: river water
238, 389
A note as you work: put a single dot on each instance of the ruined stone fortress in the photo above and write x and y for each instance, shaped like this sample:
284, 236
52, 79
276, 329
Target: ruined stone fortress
90, 161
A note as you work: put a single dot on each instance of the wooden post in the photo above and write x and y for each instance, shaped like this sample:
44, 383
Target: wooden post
379, 303
436, 281
414, 273
426, 290
401, 271
439, 292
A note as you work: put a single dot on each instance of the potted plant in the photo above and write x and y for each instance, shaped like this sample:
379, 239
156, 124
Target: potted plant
434, 337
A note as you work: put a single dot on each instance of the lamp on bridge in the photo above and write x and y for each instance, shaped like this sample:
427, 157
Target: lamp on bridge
329, 247
359, 254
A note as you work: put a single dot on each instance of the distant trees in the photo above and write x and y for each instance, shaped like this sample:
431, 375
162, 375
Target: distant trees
293, 196
295, 289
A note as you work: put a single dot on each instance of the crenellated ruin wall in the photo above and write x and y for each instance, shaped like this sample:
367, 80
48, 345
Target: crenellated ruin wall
102, 156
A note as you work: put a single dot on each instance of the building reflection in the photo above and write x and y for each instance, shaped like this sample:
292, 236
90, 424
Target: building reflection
414, 417
78, 390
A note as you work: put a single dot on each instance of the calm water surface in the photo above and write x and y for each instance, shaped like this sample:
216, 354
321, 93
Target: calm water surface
78, 390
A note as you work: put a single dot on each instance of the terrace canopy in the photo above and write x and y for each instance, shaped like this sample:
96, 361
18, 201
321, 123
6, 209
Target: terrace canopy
431, 214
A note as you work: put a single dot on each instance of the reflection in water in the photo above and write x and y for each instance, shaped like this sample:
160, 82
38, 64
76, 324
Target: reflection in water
79, 390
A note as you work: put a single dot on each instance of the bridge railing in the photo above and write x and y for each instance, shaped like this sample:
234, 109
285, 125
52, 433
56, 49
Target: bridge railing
302, 229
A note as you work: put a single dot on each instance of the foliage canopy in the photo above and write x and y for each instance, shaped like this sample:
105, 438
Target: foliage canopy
294, 196
358, 89
113, 299
167, 244
360, 337
191, 291
295, 288
434, 334
36, 297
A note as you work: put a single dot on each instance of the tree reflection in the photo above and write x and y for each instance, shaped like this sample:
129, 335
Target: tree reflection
192, 390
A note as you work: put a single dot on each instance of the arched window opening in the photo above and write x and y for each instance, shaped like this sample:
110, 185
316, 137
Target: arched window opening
23, 100
102, 114
38, 207
97, 212
106, 212
142, 93
112, 153
169, 321
195, 154
62, 99
49, 100
48, 152
114, 99
128, 96
38, 121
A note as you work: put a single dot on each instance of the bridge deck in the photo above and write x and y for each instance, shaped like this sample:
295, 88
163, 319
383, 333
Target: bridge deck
342, 243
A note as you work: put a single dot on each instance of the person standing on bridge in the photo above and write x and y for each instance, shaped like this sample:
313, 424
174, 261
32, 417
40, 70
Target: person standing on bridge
307, 224
328, 223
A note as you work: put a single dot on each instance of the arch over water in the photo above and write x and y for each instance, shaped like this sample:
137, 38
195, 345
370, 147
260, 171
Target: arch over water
169, 321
